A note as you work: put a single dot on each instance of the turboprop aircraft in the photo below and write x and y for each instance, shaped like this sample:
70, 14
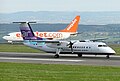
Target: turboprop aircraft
70, 30
63, 46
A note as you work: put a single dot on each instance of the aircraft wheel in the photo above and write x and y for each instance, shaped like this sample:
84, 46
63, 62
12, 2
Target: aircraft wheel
79, 55
107, 56
56, 56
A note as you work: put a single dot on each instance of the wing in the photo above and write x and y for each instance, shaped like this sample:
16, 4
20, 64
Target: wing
99, 39
46, 41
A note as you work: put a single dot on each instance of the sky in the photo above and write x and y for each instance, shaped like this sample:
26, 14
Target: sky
10, 6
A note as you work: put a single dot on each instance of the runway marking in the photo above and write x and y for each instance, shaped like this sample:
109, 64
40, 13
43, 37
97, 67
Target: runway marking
60, 60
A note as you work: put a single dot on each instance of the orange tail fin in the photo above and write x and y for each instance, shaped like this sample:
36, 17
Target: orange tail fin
73, 26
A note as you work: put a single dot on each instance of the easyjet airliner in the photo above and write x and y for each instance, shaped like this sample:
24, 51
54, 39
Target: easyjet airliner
71, 29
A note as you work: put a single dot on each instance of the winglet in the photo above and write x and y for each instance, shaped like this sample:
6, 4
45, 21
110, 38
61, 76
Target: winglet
73, 26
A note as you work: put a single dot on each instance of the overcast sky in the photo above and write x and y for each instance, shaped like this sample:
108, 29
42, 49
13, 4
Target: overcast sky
9, 6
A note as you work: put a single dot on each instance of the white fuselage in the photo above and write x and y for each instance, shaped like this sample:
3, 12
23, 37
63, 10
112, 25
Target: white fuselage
16, 36
78, 47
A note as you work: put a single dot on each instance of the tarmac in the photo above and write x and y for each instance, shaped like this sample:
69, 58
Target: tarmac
68, 59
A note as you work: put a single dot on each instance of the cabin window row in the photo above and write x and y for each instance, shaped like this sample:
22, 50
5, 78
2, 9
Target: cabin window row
82, 47
80, 50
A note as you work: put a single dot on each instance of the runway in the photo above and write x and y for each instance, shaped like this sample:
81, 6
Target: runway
46, 58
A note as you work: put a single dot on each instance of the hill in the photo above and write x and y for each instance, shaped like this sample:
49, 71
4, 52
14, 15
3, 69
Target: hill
93, 18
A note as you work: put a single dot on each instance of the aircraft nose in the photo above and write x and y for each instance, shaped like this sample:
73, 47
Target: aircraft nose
112, 51
4, 37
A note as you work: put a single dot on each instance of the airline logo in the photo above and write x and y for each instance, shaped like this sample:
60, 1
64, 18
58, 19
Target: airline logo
49, 35
44, 35
72, 23
27, 35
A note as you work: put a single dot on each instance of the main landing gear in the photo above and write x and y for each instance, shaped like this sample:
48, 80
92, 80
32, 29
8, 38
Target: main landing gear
107, 56
57, 53
79, 55
56, 56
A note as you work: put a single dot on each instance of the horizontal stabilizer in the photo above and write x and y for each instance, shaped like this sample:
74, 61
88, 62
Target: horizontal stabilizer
24, 22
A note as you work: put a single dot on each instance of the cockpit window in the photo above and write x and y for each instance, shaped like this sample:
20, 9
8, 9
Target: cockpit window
99, 45
8, 35
102, 45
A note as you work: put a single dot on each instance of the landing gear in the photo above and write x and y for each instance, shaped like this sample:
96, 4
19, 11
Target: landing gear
107, 56
56, 56
57, 53
79, 55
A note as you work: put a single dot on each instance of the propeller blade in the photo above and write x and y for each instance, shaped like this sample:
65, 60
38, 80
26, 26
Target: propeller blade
70, 45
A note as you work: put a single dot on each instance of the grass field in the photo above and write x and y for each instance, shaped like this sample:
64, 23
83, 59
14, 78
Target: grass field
17, 48
46, 72
116, 47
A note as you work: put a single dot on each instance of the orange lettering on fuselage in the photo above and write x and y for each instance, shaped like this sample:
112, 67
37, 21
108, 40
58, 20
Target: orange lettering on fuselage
37, 33
45, 35
18, 35
50, 35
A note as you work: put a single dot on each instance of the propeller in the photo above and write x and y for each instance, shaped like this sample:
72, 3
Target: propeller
70, 45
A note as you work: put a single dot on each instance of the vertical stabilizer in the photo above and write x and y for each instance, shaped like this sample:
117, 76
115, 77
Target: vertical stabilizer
26, 31
73, 26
